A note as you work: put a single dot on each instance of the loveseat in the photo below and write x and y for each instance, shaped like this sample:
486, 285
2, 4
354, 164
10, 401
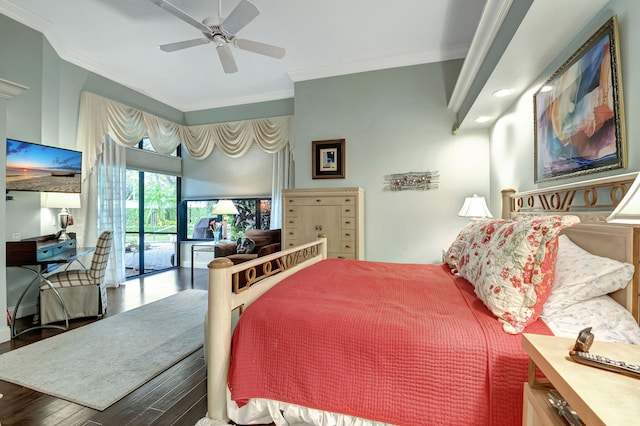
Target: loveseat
266, 242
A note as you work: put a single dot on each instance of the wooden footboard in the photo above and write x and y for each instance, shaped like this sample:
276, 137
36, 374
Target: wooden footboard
260, 275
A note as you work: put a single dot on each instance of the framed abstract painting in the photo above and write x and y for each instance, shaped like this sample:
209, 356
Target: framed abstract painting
578, 112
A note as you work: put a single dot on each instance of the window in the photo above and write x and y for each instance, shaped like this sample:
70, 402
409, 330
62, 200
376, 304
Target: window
253, 213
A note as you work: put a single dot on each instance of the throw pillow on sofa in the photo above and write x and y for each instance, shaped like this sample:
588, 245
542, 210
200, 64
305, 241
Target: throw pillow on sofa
245, 245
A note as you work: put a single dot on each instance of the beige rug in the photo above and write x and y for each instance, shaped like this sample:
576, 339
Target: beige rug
98, 364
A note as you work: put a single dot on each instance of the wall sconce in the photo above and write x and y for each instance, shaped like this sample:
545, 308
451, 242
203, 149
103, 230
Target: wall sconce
475, 207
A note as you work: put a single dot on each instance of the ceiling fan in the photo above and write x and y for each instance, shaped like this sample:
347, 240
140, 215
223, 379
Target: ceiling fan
222, 33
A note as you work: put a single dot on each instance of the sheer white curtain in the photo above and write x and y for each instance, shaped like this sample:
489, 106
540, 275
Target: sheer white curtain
282, 179
105, 127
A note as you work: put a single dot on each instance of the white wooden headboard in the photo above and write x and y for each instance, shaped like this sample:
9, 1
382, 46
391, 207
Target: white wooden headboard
592, 201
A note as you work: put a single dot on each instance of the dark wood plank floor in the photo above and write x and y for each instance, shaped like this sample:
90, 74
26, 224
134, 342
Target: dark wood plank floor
176, 397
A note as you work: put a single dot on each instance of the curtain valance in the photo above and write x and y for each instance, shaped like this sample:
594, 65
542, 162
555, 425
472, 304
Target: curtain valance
127, 126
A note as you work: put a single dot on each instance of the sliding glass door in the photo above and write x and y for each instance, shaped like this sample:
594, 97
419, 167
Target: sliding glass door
151, 243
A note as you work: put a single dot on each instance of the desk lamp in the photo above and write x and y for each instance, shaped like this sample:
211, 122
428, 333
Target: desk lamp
224, 207
65, 201
475, 207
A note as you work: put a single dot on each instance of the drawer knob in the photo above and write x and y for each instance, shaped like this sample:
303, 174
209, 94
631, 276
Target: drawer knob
348, 200
347, 210
348, 246
348, 235
318, 201
347, 222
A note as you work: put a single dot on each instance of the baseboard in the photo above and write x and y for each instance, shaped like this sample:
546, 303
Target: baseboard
5, 334
26, 309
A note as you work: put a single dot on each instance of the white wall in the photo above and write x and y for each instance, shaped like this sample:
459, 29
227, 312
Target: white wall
395, 121
512, 137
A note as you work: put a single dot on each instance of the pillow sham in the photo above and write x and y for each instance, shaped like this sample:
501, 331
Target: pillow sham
609, 321
581, 275
468, 246
517, 270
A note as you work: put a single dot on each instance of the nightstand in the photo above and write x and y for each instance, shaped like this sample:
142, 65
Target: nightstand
599, 397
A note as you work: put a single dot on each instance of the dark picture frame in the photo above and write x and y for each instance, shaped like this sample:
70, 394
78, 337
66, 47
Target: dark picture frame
328, 159
579, 118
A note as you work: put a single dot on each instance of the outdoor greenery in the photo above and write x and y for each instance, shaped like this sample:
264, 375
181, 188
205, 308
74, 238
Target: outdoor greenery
160, 213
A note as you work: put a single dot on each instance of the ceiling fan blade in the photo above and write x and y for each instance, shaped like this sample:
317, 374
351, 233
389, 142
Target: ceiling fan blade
244, 13
261, 48
226, 58
179, 45
182, 15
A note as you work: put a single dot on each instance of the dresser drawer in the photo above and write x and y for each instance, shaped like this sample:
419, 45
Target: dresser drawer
291, 211
351, 256
348, 247
348, 223
313, 201
291, 222
290, 233
348, 201
291, 243
348, 211
348, 235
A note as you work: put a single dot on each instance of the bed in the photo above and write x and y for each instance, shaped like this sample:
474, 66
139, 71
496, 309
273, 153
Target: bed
380, 357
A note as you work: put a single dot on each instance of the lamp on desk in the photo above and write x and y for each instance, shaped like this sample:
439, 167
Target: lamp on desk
628, 209
65, 201
224, 207
474, 207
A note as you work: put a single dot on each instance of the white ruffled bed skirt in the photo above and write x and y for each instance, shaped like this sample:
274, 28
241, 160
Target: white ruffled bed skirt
264, 411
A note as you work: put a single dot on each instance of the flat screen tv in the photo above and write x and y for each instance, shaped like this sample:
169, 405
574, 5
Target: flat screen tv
42, 168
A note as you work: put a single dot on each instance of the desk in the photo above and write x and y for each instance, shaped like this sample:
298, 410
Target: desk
42, 255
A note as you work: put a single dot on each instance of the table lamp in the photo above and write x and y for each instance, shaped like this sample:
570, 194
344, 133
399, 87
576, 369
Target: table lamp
224, 207
65, 201
474, 207
628, 209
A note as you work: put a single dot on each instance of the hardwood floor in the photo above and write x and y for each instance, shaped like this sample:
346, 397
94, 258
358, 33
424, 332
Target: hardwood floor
176, 397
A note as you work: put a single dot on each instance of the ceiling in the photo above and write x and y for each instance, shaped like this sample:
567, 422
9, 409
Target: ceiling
119, 39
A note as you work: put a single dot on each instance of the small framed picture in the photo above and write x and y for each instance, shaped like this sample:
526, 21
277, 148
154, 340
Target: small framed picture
328, 159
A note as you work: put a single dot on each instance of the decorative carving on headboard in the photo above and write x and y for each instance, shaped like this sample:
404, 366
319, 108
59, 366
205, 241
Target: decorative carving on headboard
582, 198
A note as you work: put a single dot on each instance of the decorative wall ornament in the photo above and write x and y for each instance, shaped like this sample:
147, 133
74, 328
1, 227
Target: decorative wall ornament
421, 181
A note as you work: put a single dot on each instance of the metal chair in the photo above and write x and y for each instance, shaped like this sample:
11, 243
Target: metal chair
83, 291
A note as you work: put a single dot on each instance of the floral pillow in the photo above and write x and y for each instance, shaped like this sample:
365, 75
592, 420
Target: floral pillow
466, 249
517, 269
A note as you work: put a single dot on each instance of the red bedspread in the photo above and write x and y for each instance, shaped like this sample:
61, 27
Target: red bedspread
404, 344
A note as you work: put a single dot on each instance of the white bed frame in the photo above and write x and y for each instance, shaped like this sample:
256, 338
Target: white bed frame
595, 235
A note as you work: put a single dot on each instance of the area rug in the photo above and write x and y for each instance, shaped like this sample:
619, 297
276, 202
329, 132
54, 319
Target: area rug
99, 363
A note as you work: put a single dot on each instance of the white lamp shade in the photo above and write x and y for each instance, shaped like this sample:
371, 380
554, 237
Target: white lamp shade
628, 209
62, 200
225, 207
474, 207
